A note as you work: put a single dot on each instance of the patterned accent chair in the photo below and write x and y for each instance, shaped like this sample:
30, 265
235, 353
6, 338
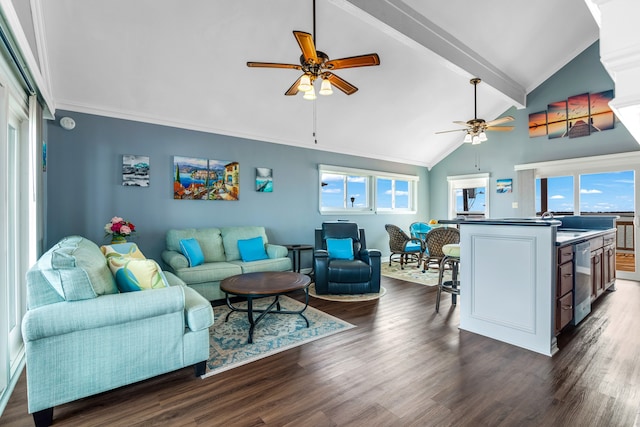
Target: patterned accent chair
409, 248
435, 240
358, 273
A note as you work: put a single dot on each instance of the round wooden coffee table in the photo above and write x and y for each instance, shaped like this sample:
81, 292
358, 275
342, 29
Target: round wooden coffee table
265, 284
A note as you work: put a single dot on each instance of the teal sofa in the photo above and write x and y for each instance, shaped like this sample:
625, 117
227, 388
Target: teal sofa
82, 337
222, 257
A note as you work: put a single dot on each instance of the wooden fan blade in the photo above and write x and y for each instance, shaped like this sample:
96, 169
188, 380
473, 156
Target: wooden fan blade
308, 48
354, 61
454, 130
500, 121
458, 122
273, 65
293, 90
500, 128
341, 84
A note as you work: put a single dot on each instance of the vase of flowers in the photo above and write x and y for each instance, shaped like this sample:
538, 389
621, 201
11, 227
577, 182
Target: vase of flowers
119, 229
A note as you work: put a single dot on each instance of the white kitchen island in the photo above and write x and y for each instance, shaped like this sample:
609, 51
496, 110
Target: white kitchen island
508, 273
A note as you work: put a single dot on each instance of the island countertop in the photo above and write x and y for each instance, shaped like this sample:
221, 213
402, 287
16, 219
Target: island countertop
570, 229
503, 221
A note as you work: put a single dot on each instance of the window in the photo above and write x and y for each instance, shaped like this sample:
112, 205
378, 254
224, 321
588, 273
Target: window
362, 191
555, 194
610, 192
393, 195
468, 196
344, 192
604, 192
470, 201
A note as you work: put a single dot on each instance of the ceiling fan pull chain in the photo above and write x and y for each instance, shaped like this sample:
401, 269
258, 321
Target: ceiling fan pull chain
315, 120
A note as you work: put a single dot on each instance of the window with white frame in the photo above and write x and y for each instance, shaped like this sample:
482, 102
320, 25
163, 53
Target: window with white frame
469, 196
348, 190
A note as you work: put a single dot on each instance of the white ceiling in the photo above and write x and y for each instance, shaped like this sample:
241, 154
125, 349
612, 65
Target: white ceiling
183, 63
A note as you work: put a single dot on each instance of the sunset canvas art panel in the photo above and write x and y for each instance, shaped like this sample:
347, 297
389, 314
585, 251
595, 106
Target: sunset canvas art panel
557, 119
578, 115
602, 117
537, 124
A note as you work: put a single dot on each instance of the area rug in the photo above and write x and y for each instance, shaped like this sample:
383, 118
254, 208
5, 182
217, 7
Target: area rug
228, 347
347, 297
411, 274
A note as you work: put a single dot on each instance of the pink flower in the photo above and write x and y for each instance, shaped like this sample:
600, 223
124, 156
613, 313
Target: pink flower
119, 227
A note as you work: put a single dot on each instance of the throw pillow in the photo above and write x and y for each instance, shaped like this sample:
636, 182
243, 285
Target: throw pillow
191, 249
252, 249
133, 274
340, 248
127, 250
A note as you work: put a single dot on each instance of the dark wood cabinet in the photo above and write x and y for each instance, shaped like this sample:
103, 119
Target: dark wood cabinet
597, 286
603, 275
564, 288
609, 261
603, 264
564, 311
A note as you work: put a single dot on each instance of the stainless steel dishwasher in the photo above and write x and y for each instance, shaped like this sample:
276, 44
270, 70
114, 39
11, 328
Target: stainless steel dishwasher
582, 281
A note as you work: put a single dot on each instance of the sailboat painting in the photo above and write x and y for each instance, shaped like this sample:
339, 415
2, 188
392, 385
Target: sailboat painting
264, 180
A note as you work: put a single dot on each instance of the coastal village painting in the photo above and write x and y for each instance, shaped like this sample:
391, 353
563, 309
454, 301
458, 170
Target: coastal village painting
205, 179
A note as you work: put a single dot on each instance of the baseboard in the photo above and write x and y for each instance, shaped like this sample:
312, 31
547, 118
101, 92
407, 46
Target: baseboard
4, 398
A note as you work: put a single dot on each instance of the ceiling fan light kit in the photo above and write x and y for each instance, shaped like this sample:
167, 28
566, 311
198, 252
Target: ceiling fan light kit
305, 84
316, 64
475, 128
325, 88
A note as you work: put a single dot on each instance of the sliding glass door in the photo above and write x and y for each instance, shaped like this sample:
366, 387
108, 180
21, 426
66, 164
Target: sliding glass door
614, 193
598, 193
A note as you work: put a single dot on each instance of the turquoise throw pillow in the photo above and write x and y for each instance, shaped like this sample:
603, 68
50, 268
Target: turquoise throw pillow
191, 249
340, 248
252, 249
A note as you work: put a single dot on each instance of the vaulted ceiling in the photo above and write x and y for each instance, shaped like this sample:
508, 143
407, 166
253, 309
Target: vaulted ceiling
183, 64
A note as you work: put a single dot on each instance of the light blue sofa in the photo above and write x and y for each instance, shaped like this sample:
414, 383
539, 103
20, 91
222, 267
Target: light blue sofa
221, 257
82, 337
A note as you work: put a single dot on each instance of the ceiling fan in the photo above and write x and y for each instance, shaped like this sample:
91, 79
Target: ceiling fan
316, 64
476, 127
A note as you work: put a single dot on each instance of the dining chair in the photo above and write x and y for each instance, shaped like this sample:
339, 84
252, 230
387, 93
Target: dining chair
435, 240
419, 230
409, 248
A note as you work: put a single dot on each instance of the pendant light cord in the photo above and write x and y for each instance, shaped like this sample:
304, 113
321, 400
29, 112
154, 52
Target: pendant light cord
315, 118
314, 22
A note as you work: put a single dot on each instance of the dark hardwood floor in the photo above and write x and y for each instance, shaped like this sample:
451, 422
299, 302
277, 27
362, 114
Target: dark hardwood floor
404, 365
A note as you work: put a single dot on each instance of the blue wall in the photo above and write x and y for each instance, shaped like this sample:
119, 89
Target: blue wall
503, 150
84, 188
84, 184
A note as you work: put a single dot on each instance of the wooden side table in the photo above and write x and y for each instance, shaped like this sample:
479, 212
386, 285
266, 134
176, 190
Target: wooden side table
296, 249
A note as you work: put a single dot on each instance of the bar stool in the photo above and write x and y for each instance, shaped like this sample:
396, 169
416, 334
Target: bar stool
452, 260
